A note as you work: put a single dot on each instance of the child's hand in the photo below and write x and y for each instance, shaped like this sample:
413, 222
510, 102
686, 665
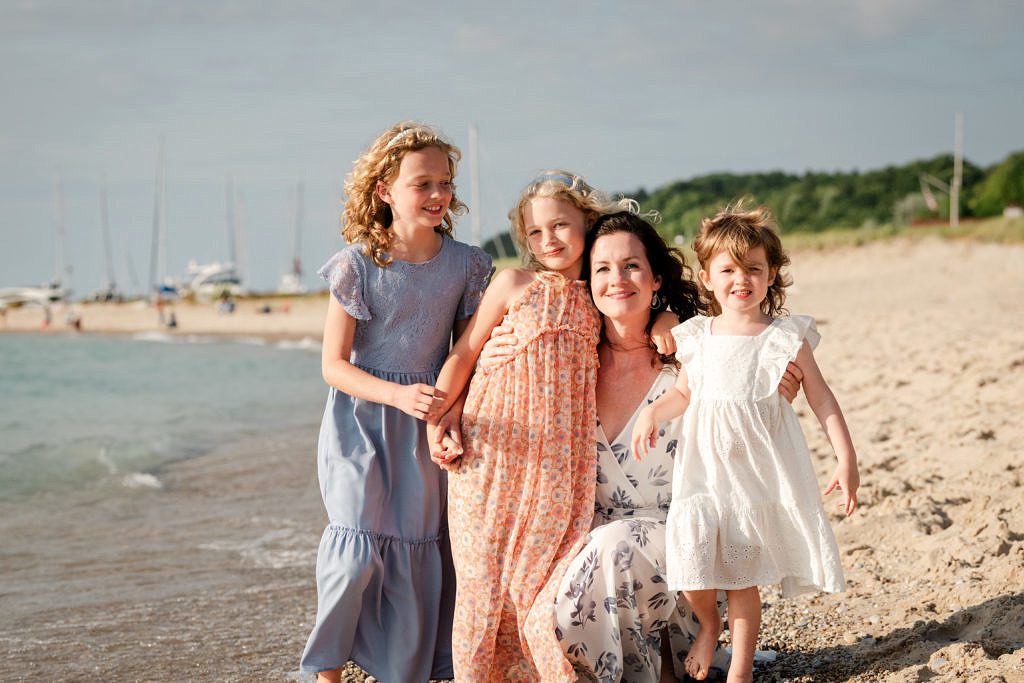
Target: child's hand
645, 433
661, 333
499, 346
846, 478
445, 441
422, 401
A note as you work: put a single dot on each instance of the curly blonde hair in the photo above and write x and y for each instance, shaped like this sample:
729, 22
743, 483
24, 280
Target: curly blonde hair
366, 217
736, 230
569, 187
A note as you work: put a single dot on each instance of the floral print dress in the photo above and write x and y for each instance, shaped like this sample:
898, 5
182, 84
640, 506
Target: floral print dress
612, 603
521, 502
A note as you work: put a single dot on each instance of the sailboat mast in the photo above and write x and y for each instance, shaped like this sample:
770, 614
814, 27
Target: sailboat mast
105, 228
297, 232
158, 245
229, 202
61, 256
474, 187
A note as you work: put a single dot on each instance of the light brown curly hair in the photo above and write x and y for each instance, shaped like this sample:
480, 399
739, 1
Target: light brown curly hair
366, 217
736, 230
571, 188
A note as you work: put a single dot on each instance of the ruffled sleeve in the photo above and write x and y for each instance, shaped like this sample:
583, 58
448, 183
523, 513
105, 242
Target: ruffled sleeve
478, 274
689, 336
345, 274
781, 346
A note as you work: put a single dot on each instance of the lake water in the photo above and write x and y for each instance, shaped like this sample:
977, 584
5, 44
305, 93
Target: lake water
86, 411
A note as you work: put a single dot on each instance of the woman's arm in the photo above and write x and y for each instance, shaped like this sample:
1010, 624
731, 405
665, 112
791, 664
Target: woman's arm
826, 408
414, 399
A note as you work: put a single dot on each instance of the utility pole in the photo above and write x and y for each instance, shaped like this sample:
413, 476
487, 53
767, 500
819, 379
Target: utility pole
958, 169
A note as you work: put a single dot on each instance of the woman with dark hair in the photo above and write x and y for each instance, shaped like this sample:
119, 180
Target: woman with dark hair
614, 616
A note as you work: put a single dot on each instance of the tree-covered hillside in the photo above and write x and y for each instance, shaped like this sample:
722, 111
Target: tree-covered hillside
817, 201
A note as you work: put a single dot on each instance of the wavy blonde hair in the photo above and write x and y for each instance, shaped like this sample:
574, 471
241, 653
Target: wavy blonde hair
736, 230
366, 217
569, 187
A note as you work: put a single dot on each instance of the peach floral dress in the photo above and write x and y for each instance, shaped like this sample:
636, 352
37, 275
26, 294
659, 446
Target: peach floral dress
521, 503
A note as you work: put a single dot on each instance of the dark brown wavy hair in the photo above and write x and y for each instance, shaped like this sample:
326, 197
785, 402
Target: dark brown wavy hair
678, 291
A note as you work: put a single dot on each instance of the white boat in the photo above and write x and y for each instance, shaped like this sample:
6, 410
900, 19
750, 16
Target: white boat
209, 281
40, 296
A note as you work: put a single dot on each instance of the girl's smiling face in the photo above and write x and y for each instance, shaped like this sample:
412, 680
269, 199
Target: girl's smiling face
420, 193
739, 287
555, 234
621, 280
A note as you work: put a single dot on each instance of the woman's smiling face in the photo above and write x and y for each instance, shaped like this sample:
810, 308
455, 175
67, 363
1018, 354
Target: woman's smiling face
621, 280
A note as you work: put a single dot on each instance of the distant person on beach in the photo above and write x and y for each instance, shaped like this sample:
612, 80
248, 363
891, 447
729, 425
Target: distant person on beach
385, 584
521, 491
745, 508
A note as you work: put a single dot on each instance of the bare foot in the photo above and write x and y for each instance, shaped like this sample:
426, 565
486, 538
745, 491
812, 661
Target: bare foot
698, 662
332, 676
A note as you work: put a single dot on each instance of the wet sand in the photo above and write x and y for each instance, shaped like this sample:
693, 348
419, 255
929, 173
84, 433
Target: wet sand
211, 577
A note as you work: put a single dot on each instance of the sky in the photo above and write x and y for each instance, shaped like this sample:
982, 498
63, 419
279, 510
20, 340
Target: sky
628, 94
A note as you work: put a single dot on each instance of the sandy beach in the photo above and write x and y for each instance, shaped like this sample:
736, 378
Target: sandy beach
922, 343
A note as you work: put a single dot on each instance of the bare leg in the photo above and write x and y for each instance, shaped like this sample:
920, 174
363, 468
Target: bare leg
332, 676
698, 662
744, 625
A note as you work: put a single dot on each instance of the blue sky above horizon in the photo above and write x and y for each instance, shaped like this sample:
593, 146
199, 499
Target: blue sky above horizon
628, 94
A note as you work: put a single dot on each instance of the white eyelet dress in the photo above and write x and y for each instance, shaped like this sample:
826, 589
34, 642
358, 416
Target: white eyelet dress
746, 509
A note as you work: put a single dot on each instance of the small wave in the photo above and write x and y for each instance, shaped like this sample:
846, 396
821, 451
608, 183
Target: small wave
276, 549
142, 480
162, 337
304, 344
105, 460
251, 340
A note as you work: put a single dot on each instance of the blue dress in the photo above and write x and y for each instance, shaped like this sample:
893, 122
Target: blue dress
385, 584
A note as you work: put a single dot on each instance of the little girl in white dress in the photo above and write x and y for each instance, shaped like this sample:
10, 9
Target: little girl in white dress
745, 504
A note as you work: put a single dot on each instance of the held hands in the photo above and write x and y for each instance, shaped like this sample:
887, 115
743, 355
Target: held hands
422, 401
645, 433
846, 478
445, 442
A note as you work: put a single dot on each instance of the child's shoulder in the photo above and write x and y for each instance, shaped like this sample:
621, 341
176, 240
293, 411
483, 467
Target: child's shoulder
692, 327
793, 330
351, 257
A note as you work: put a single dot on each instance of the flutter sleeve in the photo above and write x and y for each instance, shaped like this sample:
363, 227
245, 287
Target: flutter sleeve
478, 274
345, 274
688, 348
781, 346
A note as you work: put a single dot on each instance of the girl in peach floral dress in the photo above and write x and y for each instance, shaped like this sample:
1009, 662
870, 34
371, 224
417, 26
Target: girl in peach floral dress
521, 488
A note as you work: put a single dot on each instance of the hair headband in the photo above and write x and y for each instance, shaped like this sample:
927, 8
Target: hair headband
562, 178
399, 136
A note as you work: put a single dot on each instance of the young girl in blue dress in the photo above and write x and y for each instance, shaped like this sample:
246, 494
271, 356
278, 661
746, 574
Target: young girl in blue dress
385, 585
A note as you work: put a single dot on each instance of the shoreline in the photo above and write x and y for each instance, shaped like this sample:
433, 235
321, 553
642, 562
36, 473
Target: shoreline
273, 319
921, 344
